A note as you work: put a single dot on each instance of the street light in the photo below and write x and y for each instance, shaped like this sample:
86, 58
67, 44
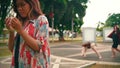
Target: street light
52, 17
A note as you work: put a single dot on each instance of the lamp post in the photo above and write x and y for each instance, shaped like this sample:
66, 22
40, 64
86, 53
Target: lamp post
72, 27
52, 29
52, 20
72, 23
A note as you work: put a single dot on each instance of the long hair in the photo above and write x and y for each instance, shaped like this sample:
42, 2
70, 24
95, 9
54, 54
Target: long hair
116, 28
35, 9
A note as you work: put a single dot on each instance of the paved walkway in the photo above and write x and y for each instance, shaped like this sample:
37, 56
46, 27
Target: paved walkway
72, 51
67, 55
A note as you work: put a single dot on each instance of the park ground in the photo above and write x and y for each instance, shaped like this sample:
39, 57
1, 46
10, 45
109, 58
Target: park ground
66, 54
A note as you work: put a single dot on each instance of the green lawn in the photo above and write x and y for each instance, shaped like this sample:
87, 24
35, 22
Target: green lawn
103, 66
4, 51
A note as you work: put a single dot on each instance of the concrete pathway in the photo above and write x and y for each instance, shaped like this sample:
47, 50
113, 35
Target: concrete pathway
67, 55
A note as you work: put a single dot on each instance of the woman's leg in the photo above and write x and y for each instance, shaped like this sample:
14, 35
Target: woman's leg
114, 48
98, 54
113, 52
117, 49
84, 49
115, 44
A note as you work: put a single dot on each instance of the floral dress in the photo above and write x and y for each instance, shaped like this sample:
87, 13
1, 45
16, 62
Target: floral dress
28, 58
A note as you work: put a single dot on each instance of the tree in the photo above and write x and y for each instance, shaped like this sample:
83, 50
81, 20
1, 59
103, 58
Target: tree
4, 9
112, 20
100, 26
64, 13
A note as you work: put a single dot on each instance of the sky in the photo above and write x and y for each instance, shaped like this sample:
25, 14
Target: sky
98, 10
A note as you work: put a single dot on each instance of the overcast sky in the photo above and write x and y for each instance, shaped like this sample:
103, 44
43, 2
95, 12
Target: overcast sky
98, 10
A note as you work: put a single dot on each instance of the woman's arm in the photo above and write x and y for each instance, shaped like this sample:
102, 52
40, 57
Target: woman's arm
11, 33
29, 40
16, 24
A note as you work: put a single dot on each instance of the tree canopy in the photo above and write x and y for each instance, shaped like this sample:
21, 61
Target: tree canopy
113, 19
4, 9
63, 12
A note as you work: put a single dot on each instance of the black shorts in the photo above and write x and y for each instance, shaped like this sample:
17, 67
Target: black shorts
115, 41
114, 45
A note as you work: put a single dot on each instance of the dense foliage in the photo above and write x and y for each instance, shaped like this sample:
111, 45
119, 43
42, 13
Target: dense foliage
4, 9
112, 20
64, 12
60, 12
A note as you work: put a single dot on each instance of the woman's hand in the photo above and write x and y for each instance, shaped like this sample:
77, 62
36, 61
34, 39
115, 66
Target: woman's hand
8, 24
16, 24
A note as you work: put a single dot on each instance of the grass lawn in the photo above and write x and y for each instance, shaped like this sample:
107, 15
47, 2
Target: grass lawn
4, 51
103, 66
